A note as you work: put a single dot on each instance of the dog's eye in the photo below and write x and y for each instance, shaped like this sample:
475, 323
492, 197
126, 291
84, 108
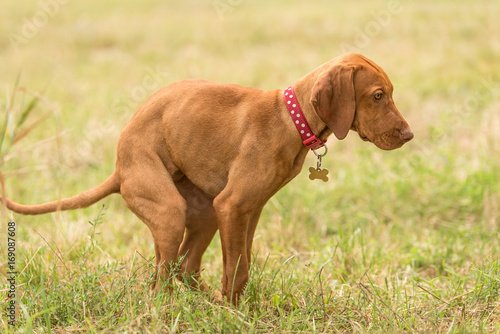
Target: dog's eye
377, 96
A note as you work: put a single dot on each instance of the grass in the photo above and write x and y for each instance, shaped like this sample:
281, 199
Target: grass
400, 241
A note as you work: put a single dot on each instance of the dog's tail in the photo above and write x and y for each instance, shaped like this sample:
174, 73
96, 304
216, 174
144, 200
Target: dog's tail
83, 200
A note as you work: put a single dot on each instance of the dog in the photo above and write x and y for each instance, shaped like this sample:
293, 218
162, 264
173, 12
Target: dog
200, 156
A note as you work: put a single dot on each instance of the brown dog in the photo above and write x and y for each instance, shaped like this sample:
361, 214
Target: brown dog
200, 156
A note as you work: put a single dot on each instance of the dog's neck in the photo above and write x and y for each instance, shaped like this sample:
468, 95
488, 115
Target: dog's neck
309, 139
303, 88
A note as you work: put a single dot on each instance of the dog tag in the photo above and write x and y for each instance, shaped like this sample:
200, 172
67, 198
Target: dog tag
318, 173
321, 174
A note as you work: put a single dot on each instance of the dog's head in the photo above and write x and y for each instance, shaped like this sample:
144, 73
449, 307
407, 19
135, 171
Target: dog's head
354, 93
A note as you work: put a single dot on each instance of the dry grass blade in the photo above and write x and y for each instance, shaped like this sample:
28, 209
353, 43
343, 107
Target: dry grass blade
3, 198
321, 289
458, 297
25, 132
8, 113
16, 131
56, 253
27, 111
3, 132
433, 295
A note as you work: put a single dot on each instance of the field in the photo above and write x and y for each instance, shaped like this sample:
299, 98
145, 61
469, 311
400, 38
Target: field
406, 241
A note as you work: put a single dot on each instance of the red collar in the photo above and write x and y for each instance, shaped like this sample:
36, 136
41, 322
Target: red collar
308, 138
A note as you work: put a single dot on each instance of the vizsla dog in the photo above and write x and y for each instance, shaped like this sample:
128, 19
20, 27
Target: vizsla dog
200, 156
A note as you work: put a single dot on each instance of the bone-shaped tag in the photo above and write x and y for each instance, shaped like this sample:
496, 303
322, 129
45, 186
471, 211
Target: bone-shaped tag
321, 174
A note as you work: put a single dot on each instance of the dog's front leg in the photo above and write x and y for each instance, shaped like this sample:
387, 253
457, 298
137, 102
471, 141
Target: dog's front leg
233, 225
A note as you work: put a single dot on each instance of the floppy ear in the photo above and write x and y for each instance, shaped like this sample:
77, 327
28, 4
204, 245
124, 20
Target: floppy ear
334, 99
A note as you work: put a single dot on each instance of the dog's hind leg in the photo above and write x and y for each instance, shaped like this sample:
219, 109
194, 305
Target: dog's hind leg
200, 229
199, 233
150, 193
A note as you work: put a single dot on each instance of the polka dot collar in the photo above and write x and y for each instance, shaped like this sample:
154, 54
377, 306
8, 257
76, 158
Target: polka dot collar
308, 138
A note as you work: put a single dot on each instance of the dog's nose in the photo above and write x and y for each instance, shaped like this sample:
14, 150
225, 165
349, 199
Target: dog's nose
407, 136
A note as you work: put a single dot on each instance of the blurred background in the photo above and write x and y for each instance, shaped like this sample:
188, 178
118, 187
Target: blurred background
435, 203
94, 63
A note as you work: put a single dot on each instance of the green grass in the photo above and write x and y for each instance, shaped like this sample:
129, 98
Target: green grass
400, 241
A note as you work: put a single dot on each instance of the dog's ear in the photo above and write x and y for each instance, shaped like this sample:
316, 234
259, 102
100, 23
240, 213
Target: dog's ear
334, 99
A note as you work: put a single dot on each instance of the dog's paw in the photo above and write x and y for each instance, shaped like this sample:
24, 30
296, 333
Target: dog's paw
216, 297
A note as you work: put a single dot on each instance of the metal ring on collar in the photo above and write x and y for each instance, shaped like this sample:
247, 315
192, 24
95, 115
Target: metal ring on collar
321, 155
